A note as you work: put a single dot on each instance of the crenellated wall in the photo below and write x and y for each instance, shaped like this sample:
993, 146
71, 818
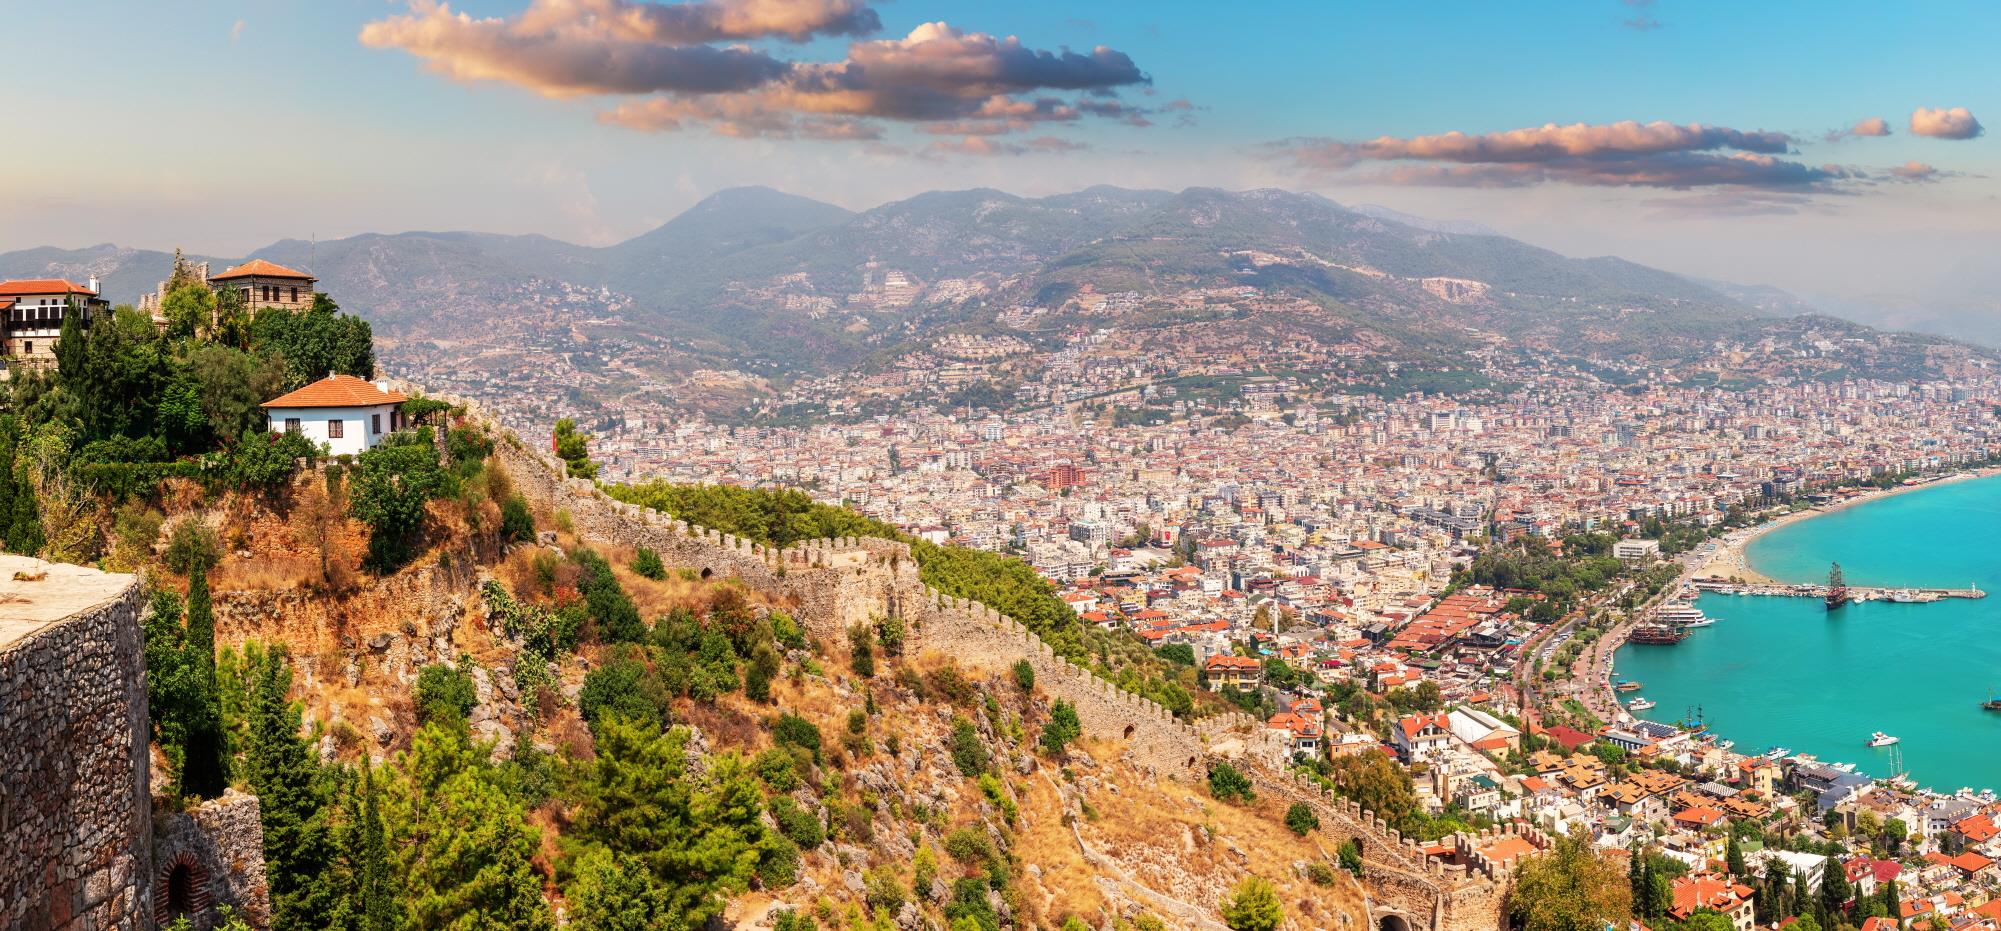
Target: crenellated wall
840, 582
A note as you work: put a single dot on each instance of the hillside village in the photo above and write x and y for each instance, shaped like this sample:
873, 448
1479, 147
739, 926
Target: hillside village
348, 577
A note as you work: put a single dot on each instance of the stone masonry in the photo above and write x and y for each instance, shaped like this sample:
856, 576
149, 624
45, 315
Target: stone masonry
75, 813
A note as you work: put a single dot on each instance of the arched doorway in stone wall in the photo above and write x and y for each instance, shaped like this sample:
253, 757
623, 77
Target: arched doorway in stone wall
706, 572
1392, 923
181, 891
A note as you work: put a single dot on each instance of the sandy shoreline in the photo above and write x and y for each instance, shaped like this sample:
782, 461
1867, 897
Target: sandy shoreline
1729, 561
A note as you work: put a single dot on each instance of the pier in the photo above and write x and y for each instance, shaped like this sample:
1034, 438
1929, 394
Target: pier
1855, 592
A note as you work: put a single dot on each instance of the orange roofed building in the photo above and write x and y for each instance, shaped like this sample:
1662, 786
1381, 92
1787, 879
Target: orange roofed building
33, 310
267, 284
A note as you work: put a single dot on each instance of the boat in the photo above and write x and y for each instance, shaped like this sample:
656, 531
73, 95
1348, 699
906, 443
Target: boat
1837, 588
1657, 635
1905, 596
1629, 686
1880, 739
1778, 753
1639, 704
1725, 744
1992, 703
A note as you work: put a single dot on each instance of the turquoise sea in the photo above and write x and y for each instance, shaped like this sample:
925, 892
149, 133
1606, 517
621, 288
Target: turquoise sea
1786, 671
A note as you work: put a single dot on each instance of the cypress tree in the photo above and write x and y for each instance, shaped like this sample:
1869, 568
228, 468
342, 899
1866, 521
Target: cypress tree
281, 768
1834, 891
205, 765
369, 897
1893, 906
1733, 857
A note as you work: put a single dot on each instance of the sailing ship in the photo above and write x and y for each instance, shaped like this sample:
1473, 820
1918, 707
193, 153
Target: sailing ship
1657, 635
1992, 703
1837, 588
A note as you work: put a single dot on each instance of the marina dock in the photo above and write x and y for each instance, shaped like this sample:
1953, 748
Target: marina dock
1855, 592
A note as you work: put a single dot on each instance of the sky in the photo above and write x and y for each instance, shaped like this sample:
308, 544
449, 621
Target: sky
1834, 149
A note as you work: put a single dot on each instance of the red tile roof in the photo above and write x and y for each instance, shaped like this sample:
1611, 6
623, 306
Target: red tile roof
21, 286
1226, 661
258, 268
337, 391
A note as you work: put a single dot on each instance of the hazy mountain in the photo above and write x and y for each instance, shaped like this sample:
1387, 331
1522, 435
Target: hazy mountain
781, 285
1456, 227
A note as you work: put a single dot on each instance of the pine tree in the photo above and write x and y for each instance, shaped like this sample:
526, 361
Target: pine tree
369, 897
282, 770
460, 843
1253, 906
701, 838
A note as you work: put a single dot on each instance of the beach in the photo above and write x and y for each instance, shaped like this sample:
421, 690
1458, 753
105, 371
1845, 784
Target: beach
1730, 562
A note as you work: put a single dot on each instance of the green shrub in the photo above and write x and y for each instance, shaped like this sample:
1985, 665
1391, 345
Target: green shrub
969, 846
861, 650
950, 684
1024, 675
1301, 819
969, 904
890, 633
517, 525
1350, 856
1227, 783
795, 822
624, 687
778, 865
793, 730
647, 563
777, 768
1063, 727
445, 694
1320, 874
968, 753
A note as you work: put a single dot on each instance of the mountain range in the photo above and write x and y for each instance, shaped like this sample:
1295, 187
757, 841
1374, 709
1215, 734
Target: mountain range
788, 287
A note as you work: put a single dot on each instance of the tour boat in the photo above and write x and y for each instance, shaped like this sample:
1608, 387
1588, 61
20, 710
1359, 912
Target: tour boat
1639, 704
1992, 703
1656, 634
1880, 739
1628, 686
1682, 614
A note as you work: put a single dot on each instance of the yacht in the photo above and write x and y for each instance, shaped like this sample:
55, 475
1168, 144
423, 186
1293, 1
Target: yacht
1639, 704
1682, 614
1778, 753
1880, 739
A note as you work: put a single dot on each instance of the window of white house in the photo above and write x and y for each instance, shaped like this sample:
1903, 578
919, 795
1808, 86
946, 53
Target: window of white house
374, 423
291, 425
334, 429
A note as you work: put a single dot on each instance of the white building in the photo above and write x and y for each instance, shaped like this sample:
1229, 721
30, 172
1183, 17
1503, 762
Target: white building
344, 413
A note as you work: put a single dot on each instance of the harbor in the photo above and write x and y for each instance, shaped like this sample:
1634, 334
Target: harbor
1814, 590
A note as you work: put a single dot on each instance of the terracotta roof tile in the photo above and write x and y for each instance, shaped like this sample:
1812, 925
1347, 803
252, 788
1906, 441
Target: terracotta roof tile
20, 286
258, 268
337, 391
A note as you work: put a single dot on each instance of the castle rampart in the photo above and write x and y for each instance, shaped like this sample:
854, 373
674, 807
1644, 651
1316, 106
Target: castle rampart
75, 814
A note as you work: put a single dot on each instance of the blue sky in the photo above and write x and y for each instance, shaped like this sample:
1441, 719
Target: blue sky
222, 125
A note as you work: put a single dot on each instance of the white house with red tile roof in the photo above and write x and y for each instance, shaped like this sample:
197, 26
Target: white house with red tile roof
32, 312
1422, 736
341, 412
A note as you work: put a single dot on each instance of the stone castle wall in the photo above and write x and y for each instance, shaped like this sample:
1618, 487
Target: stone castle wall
839, 582
217, 847
76, 821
